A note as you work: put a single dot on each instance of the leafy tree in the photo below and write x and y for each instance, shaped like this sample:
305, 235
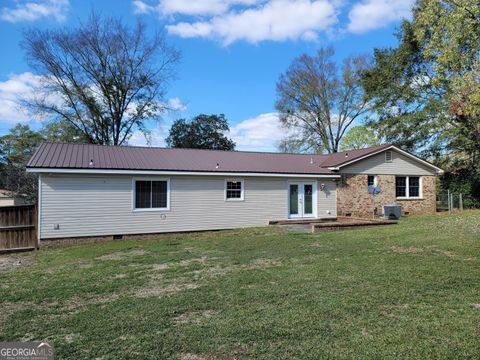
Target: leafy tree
103, 78
359, 137
62, 131
319, 102
18, 146
407, 107
426, 90
202, 132
449, 31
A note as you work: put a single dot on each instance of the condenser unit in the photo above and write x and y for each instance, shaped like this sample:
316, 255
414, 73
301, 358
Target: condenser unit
392, 212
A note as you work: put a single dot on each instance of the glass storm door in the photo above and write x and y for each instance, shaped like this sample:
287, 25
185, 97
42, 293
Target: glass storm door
301, 200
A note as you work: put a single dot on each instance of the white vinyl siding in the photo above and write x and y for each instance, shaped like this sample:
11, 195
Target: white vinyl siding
326, 198
376, 165
86, 205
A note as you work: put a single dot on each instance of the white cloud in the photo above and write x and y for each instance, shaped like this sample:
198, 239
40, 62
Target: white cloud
188, 7
254, 21
262, 132
140, 7
276, 20
373, 14
176, 104
35, 9
16, 88
155, 138
159, 132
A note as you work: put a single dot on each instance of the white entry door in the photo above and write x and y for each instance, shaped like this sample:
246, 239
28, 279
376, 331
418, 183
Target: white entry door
302, 199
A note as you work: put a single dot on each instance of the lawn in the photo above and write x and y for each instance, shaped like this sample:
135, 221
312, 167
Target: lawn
410, 290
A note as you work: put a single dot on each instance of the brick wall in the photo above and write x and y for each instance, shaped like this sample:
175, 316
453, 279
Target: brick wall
353, 197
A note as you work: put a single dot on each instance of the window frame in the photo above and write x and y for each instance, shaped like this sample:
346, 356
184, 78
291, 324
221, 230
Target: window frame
391, 156
135, 179
242, 190
407, 187
375, 180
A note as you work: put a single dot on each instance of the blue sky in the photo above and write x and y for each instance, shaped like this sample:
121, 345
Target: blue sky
233, 51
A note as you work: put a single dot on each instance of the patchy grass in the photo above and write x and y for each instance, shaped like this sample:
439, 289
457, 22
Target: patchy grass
405, 291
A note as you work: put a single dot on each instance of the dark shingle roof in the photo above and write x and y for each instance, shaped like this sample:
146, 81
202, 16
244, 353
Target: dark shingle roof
87, 156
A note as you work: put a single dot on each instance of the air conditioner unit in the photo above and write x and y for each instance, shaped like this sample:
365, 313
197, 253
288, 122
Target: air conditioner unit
392, 212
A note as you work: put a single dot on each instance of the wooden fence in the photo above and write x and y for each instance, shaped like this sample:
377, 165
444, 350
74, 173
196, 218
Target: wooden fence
18, 228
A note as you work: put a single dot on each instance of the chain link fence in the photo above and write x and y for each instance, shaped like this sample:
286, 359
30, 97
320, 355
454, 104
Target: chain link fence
450, 201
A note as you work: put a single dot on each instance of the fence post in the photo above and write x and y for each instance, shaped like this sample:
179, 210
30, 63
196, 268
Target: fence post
460, 201
449, 203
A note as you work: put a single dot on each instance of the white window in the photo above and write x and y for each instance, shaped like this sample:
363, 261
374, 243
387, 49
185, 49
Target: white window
388, 156
234, 190
151, 194
408, 187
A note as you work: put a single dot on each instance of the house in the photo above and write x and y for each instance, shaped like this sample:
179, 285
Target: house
10, 198
94, 190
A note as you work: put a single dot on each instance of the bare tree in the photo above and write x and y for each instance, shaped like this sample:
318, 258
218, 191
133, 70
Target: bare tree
104, 78
318, 103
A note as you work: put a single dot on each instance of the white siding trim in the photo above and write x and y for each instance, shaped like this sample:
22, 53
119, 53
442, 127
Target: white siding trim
39, 210
134, 179
161, 172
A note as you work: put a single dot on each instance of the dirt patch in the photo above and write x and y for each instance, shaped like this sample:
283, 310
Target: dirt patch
70, 338
77, 302
262, 263
202, 260
194, 317
160, 267
13, 262
212, 271
121, 255
155, 290
189, 356
10, 308
476, 306
449, 254
120, 276
183, 263
27, 337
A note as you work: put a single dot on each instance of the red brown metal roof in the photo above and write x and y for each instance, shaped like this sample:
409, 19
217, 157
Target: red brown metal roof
88, 156
339, 158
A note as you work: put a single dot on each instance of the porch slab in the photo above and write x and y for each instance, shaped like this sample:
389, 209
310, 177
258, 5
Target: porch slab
331, 224
301, 221
348, 223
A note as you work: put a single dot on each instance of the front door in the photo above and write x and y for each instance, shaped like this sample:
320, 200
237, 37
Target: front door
301, 197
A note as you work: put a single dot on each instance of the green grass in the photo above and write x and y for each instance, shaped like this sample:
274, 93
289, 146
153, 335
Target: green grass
406, 291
